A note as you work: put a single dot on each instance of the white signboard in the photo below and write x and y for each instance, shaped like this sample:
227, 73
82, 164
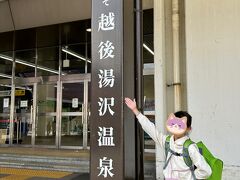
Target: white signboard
75, 102
6, 102
24, 103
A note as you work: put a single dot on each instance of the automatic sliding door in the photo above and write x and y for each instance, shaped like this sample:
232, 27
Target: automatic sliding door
72, 129
23, 115
5, 99
72, 114
5, 96
45, 127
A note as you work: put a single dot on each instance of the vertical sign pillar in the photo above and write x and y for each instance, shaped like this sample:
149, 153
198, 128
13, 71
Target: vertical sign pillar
113, 149
107, 91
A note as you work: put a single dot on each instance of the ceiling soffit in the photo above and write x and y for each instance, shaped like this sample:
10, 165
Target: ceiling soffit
35, 13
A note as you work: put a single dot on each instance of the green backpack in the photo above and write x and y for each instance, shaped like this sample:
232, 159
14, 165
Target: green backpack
215, 164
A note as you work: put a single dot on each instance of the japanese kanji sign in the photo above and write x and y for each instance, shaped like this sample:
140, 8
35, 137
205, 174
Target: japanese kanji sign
107, 90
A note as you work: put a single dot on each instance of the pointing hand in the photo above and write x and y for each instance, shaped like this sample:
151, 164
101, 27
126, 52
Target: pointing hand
132, 105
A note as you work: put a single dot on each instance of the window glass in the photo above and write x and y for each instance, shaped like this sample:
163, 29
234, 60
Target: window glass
6, 41
48, 36
48, 61
25, 63
149, 102
6, 65
148, 48
74, 59
25, 39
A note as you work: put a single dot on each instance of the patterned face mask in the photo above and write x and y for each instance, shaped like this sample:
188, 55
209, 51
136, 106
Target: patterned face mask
176, 121
175, 125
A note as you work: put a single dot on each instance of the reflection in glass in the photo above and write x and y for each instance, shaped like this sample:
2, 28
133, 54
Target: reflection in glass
25, 63
149, 107
148, 142
6, 65
5, 99
72, 131
5, 95
148, 36
74, 59
24, 115
46, 114
72, 114
148, 49
48, 61
149, 102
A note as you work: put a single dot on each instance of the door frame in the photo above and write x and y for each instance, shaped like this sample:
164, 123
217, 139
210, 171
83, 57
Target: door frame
72, 79
33, 81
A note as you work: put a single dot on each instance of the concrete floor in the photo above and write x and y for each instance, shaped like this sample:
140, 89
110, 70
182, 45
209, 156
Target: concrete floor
31, 174
45, 152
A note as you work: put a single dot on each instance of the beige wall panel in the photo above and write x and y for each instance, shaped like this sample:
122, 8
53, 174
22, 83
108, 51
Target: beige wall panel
33, 13
5, 18
213, 61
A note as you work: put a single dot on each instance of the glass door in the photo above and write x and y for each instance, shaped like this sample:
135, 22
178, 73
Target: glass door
74, 115
5, 96
5, 99
22, 131
46, 116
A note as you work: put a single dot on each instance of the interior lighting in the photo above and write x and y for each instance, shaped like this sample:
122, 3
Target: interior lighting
148, 49
75, 55
89, 30
29, 64
5, 76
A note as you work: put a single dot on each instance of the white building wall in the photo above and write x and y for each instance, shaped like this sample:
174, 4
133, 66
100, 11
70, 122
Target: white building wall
213, 77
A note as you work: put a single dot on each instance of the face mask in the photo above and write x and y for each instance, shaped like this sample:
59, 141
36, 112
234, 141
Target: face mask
176, 126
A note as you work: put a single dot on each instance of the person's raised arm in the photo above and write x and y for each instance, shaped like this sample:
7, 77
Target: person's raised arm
146, 124
132, 105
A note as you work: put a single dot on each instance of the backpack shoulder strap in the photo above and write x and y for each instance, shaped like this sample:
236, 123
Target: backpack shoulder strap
167, 149
167, 145
186, 156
